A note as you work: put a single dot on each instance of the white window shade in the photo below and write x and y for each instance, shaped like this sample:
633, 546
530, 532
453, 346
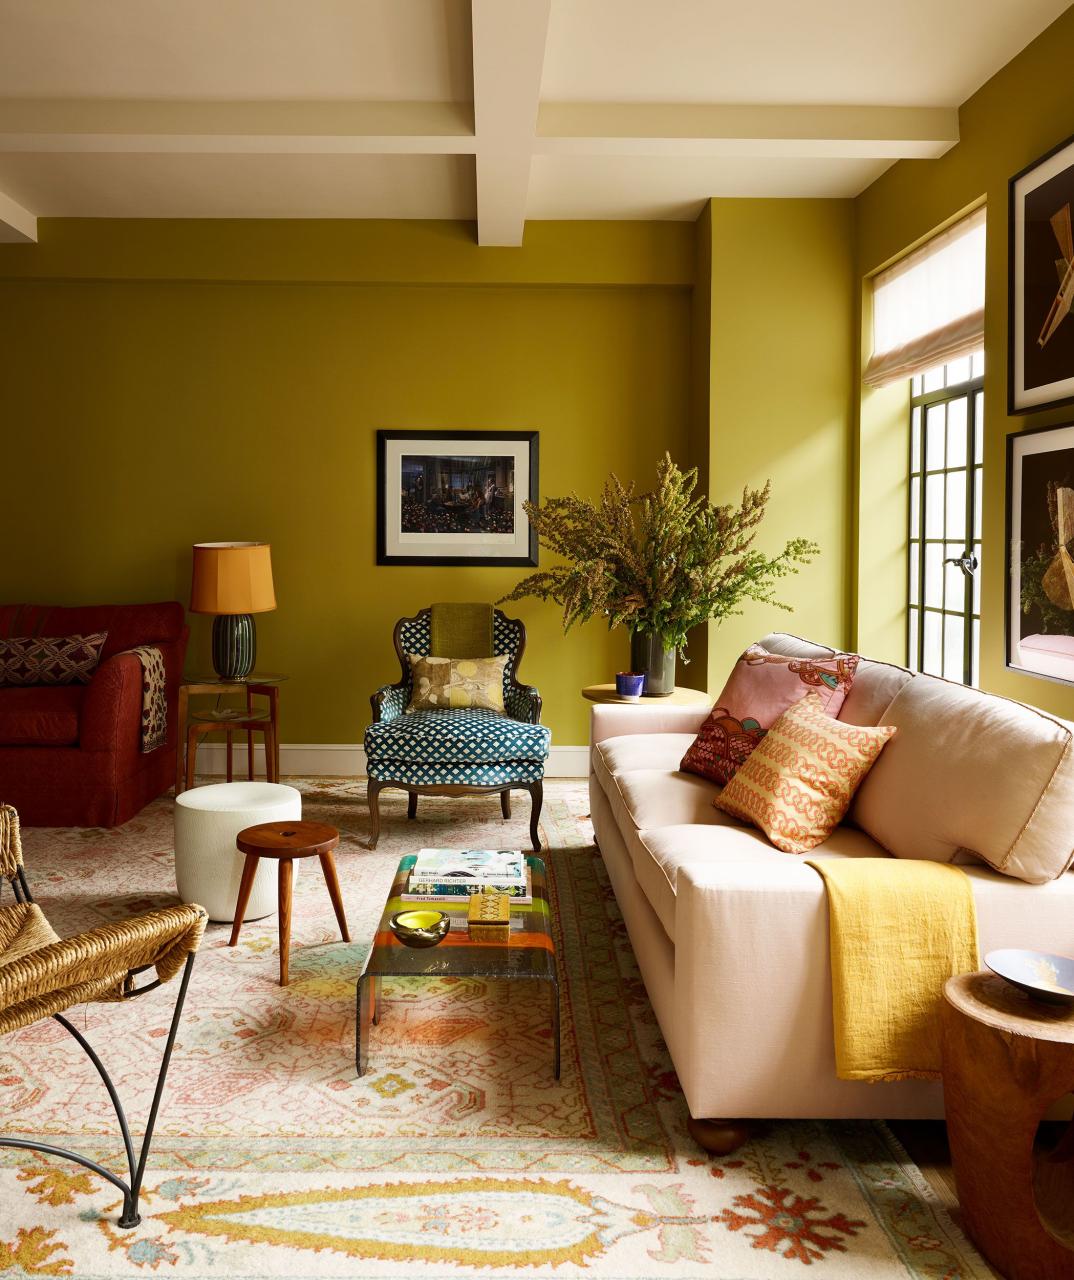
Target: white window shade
929, 307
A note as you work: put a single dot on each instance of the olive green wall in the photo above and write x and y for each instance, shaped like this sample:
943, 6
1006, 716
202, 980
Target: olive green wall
780, 346
166, 383
1022, 112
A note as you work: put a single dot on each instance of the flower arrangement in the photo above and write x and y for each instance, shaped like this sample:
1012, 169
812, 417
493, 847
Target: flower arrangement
659, 562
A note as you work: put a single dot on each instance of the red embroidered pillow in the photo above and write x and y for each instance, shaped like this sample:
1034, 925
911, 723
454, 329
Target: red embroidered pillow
760, 688
29, 660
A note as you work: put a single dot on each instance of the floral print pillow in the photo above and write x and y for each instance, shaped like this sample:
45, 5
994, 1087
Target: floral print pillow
760, 688
438, 683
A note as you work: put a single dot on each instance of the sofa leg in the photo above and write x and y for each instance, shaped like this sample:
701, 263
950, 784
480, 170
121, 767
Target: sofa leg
505, 803
536, 790
719, 1137
411, 804
373, 795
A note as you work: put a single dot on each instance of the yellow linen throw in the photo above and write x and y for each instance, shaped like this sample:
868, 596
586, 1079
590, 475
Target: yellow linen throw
899, 929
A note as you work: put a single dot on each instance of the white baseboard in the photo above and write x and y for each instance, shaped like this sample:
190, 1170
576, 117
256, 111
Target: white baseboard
347, 760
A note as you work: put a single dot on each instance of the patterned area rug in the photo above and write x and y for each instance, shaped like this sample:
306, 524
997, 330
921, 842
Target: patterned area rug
457, 1153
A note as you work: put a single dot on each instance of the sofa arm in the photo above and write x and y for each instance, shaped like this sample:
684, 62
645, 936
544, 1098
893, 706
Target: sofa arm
523, 702
753, 1021
614, 720
112, 709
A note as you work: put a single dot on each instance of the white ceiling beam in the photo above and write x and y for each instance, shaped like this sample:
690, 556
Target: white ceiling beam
286, 128
509, 43
17, 225
584, 128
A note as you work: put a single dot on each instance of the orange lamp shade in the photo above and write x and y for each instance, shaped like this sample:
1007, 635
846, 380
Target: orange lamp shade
232, 577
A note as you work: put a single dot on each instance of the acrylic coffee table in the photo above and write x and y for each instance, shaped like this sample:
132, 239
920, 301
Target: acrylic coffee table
530, 954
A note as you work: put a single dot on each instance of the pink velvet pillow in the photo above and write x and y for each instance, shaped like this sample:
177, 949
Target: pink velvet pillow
760, 688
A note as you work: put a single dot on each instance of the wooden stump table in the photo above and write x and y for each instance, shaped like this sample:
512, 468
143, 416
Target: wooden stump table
286, 841
1006, 1059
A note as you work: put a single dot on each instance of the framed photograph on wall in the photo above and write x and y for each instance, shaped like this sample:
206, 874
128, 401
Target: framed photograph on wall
1040, 567
1040, 285
455, 497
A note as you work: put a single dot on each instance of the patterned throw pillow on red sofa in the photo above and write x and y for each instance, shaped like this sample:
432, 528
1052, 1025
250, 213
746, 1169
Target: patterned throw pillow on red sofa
29, 660
760, 688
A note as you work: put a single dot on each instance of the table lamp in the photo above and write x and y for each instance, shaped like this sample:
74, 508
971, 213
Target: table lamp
232, 580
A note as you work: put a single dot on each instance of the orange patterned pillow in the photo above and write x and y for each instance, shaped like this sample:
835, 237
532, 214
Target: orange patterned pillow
800, 779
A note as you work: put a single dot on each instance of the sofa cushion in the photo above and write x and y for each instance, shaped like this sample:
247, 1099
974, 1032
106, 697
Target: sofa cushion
972, 773
50, 660
760, 688
647, 798
658, 856
638, 751
45, 716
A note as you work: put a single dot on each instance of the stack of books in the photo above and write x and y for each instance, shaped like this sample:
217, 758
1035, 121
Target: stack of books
440, 875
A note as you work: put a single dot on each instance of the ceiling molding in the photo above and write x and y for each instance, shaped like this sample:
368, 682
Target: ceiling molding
509, 42
589, 128
17, 225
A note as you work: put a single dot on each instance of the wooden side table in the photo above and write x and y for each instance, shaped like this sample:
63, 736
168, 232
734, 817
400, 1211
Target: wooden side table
286, 841
1006, 1059
682, 696
196, 724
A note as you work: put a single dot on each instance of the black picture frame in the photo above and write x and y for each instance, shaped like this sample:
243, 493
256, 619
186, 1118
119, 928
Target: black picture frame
1022, 399
396, 546
1019, 657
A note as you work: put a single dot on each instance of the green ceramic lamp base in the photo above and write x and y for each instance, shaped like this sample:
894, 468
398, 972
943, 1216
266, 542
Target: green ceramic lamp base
234, 645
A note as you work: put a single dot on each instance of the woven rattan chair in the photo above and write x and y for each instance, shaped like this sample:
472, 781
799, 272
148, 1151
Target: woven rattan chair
41, 975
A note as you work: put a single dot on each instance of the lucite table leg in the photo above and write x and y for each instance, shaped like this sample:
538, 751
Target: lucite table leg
360, 1032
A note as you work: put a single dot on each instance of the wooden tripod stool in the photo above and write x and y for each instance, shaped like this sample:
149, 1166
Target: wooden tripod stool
286, 841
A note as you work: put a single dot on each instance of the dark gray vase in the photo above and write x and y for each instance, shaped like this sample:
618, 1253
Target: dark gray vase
647, 653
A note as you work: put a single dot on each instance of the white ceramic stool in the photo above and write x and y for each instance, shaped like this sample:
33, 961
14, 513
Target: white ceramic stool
208, 866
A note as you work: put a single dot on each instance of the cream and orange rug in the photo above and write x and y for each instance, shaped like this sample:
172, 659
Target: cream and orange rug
457, 1154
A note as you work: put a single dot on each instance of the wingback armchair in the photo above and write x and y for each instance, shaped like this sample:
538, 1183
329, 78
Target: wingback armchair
463, 750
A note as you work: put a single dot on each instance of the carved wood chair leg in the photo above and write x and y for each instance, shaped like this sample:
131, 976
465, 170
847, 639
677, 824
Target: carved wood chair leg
719, 1137
505, 803
536, 790
373, 794
412, 804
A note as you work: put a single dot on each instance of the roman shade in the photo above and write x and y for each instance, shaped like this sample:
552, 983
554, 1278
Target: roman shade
928, 307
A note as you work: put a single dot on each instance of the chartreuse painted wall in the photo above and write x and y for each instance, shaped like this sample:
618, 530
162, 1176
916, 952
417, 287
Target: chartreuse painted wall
778, 335
1022, 112
172, 382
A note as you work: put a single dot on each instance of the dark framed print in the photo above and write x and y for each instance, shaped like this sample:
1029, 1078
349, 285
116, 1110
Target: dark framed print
1040, 568
455, 497
1040, 284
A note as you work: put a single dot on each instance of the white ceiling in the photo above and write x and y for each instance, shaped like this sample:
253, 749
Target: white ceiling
498, 110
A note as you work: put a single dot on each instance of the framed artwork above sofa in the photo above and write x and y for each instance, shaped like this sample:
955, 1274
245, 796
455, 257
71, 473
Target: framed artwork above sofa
1040, 566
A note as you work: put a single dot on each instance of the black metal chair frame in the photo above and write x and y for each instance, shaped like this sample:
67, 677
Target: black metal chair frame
131, 1190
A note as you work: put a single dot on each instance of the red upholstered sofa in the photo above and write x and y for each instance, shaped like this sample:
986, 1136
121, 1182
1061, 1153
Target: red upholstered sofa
71, 755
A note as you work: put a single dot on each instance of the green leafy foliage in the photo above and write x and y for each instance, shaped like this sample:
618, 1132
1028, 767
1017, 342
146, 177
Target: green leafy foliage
1053, 619
660, 562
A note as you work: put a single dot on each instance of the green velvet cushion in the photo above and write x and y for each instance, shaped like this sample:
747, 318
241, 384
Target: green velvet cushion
460, 631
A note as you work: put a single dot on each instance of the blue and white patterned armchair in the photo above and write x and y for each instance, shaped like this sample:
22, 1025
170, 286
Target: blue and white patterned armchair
457, 751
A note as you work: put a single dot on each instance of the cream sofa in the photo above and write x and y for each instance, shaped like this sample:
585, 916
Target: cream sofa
732, 936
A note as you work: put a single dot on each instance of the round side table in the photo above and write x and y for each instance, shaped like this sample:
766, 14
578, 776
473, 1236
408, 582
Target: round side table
1006, 1059
681, 696
286, 841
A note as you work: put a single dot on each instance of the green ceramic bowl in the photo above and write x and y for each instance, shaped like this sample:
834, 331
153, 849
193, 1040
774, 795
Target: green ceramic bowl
420, 926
